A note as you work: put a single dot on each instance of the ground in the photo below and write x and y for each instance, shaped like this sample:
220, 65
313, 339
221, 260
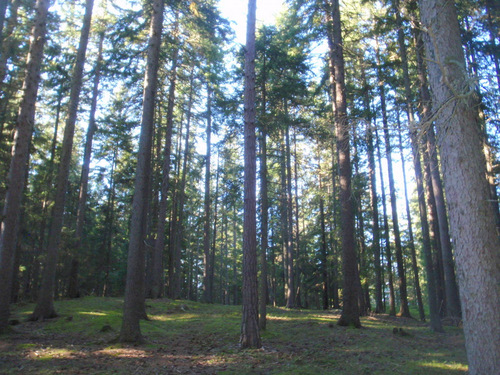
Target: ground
192, 338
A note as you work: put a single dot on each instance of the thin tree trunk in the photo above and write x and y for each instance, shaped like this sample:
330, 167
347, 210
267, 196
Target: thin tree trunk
411, 240
9, 226
324, 249
134, 306
403, 294
411, 121
250, 337
388, 253
73, 288
472, 220
427, 238
45, 302
157, 287
264, 204
178, 218
208, 279
290, 297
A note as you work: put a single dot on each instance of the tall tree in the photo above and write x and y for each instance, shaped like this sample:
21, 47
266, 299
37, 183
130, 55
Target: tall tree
73, 288
133, 309
250, 336
19, 161
45, 303
403, 294
350, 307
208, 273
472, 220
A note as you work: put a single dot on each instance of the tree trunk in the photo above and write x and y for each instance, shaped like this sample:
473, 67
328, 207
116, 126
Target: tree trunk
324, 249
19, 162
290, 297
350, 307
472, 220
424, 106
208, 274
45, 302
157, 287
178, 218
134, 307
73, 288
388, 253
403, 294
264, 204
250, 337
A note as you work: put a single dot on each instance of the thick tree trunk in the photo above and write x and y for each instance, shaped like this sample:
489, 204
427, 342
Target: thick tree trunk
250, 337
350, 307
19, 162
472, 220
45, 303
134, 307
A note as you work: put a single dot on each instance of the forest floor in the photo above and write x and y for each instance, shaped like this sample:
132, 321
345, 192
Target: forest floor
184, 337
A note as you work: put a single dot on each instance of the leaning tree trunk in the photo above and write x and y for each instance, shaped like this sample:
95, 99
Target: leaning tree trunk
472, 220
134, 307
250, 336
350, 307
73, 289
19, 162
45, 302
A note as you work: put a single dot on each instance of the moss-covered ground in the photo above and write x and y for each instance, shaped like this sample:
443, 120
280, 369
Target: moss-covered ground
184, 337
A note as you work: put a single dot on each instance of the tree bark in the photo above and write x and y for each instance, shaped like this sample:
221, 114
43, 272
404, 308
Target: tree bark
157, 287
19, 162
134, 307
208, 273
73, 288
472, 220
264, 235
424, 106
403, 294
45, 302
250, 336
350, 307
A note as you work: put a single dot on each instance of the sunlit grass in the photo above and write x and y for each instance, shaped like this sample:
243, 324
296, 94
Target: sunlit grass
296, 341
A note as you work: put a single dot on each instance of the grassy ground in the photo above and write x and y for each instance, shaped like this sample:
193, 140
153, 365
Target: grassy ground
192, 338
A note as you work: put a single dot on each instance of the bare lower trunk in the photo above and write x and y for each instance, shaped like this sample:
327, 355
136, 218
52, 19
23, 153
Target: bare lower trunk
19, 162
472, 220
250, 337
45, 303
134, 306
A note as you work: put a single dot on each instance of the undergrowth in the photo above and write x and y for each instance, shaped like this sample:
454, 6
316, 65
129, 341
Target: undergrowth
192, 338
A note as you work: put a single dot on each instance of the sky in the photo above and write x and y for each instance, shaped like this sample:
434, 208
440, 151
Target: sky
236, 11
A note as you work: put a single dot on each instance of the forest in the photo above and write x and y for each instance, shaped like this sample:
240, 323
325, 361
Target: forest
343, 163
